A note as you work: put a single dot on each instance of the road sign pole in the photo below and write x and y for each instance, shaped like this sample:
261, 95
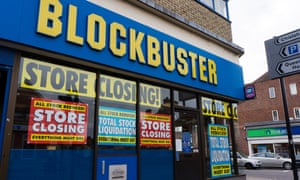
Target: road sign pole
288, 127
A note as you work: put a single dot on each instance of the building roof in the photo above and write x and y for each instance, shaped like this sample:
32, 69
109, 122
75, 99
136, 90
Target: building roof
262, 78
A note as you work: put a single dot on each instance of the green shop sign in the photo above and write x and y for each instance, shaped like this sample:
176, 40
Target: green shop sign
276, 131
264, 132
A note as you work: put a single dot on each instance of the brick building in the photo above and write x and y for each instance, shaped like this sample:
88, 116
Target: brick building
118, 89
262, 119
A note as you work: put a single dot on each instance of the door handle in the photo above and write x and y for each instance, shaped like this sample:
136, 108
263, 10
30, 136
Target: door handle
103, 167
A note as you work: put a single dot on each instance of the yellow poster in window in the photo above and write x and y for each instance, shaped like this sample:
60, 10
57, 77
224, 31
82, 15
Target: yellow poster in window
55, 78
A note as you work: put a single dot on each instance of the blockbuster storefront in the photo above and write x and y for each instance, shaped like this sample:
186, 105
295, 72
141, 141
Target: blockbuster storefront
89, 93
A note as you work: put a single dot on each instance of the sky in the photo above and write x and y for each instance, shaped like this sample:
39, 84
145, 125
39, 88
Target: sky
254, 22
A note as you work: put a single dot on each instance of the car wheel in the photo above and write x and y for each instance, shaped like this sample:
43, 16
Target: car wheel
287, 165
248, 166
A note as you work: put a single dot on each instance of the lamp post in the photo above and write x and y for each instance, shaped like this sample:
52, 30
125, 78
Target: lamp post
288, 128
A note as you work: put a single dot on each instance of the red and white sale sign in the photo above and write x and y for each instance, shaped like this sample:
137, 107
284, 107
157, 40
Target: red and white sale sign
57, 122
156, 130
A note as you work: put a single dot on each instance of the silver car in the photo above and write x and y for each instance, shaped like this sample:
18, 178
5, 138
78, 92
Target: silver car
246, 162
269, 159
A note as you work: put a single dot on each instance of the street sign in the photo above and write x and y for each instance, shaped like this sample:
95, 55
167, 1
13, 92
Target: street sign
288, 37
290, 50
283, 54
288, 67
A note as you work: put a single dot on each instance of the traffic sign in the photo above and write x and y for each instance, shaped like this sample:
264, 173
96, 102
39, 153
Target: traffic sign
283, 54
287, 67
290, 50
288, 37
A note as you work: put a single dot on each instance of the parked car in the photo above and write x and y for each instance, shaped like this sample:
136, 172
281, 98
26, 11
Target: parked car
244, 161
269, 159
285, 155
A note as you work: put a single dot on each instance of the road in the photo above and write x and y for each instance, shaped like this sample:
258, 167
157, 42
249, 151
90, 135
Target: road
268, 174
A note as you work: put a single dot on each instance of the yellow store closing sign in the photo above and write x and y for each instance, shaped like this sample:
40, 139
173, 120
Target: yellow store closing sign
217, 108
49, 77
60, 79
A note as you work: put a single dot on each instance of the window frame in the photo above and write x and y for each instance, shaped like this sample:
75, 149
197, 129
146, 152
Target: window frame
275, 117
296, 111
272, 93
211, 4
293, 89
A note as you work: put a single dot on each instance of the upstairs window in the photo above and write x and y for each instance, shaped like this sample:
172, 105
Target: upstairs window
272, 92
275, 115
297, 113
219, 6
293, 89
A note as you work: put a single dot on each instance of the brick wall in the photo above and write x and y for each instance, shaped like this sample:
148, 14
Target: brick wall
199, 14
260, 108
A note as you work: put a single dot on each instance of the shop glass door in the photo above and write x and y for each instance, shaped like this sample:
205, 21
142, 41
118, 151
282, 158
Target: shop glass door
188, 158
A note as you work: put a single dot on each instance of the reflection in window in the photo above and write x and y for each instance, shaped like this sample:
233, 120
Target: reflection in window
185, 99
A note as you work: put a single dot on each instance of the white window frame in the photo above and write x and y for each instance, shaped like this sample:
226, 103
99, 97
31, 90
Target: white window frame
296, 112
209, 3
219, 6
272, 93
275, 115
293, 89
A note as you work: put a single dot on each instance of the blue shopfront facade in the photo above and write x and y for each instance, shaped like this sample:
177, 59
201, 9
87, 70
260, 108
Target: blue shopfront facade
91, 94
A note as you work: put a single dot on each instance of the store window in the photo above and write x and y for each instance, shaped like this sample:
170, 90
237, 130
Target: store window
117, 114
262, 148
116, 137
217, 117
155, 117
282, 149
218, 147
155, 132
185, 99
53, 123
